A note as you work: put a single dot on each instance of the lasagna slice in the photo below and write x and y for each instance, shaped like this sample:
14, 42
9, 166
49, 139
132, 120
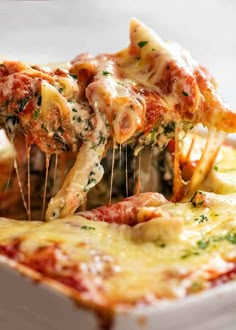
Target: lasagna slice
147, 94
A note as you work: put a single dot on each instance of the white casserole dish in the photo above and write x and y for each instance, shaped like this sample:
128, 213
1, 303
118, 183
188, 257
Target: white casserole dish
26, 304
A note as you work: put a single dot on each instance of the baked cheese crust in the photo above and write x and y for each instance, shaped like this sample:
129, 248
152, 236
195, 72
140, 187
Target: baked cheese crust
174, 250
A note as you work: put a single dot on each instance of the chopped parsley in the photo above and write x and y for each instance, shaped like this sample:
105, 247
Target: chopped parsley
36, 114
74, 110
60, 140
60, 90
89, 125
202, 218
73, 75
184, 93
105, 73
141, 44
22, 103
152, 135
215, 168
189, 254
231, 238
169, 128
101, 139
203, 243
88, 227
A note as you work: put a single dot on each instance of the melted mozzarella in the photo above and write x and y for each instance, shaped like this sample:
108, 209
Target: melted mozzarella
128, 269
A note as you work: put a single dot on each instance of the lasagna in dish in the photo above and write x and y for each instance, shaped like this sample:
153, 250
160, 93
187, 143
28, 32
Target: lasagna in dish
136, 109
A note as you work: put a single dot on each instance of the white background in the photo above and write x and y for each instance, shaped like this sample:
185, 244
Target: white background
46, 31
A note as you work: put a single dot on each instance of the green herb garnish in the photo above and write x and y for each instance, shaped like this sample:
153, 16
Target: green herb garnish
88, 227
169, 128
202, 218
189, 254
231, 238
184, 93
73, 75
203, 244
141, 44
36, 114
105, 73
22, 103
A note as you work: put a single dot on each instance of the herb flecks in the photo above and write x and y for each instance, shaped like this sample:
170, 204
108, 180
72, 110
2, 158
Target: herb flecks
169, 128
202, 218
184, 93
88, 227
58, 138
208, 242
73, 75
231, 238
22, 103
203, 243
89, 125
189, 253
106, 73
36, 114
143, 43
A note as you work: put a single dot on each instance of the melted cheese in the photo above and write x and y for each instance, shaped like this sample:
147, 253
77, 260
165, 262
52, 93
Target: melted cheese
222, 176
126, 267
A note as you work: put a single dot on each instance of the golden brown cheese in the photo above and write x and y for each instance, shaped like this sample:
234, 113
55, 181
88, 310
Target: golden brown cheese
190, 248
